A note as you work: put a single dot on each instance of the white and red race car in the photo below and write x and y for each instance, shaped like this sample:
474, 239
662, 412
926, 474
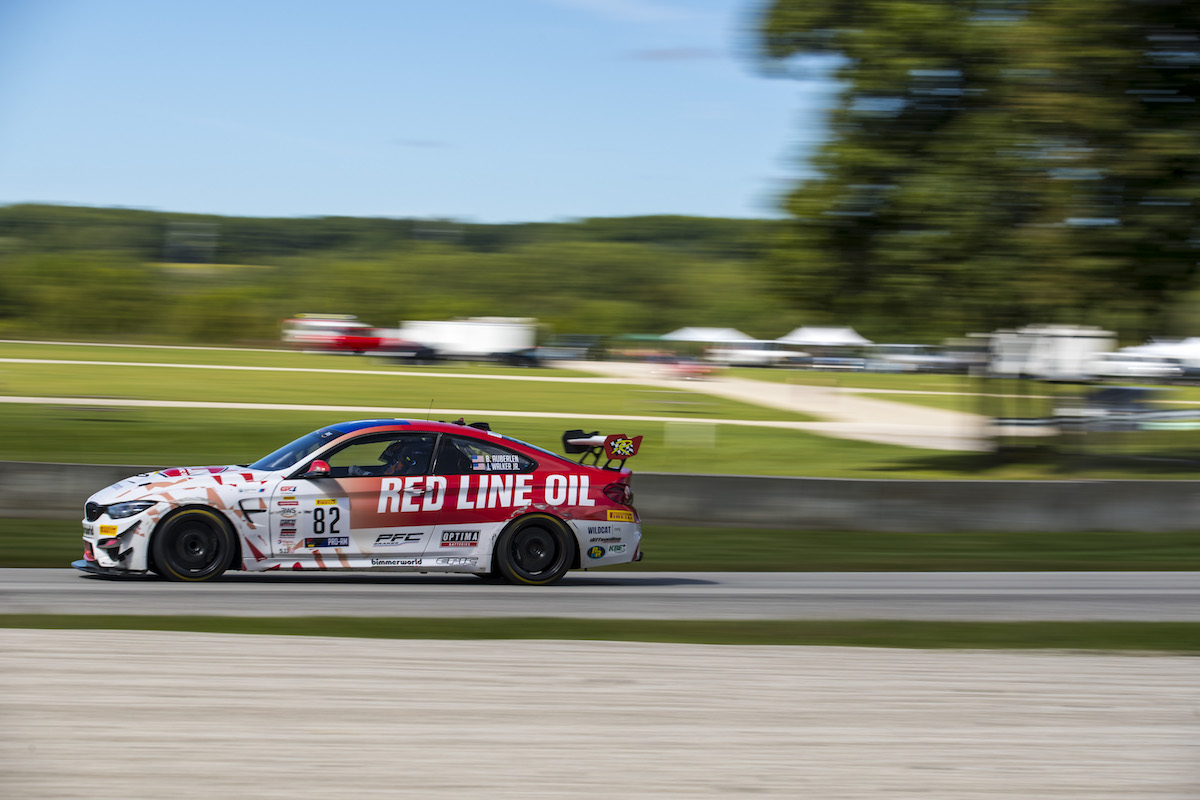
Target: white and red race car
389, 494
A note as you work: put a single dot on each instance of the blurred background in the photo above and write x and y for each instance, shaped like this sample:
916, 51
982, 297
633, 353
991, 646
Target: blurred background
924, 175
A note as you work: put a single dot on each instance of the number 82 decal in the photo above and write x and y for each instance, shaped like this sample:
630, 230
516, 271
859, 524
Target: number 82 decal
325, 520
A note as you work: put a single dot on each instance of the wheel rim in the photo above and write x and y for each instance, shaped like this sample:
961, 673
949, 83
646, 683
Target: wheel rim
534, 550
196, 549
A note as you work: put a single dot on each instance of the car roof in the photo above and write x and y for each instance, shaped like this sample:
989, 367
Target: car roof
414, 425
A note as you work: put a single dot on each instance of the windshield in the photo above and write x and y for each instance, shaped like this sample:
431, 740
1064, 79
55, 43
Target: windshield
293, 453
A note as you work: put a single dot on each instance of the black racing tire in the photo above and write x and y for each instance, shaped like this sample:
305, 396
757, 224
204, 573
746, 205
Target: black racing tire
194, 544
535, 550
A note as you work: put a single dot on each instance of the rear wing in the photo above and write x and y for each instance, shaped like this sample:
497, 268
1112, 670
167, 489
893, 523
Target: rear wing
614, 447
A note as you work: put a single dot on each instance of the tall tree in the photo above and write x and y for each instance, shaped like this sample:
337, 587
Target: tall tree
995, 162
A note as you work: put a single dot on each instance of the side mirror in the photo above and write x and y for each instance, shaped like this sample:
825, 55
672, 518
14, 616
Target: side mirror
317, 469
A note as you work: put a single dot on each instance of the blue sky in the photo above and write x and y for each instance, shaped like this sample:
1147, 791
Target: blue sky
476, 110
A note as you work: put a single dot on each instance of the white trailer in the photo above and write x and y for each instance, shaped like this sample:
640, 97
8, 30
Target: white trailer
482, 338
1049, 352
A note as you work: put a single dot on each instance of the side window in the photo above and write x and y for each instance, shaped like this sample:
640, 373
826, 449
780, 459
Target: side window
392, 455
461, 456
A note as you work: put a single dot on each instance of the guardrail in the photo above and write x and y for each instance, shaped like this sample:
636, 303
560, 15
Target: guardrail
38, 490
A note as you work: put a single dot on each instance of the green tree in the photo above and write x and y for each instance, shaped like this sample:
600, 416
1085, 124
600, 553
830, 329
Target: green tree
996, 162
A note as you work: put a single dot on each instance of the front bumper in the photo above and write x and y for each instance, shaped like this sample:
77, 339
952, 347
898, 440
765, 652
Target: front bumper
116, 546
92, 568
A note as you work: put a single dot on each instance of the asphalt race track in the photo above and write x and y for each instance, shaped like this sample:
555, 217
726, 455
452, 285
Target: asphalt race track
1131, 596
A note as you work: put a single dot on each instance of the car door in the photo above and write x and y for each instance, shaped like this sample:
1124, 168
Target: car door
367, 511
486, 483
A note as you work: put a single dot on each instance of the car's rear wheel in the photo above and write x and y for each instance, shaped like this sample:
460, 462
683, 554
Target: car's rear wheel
534, 550
195, 544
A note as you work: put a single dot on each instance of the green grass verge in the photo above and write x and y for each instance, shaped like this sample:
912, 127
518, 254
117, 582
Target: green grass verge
175, 437
691, 549
187, 437
55, 543
396, 389
1175, 637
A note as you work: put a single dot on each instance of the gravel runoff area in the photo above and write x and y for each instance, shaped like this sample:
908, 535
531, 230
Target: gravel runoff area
121, 714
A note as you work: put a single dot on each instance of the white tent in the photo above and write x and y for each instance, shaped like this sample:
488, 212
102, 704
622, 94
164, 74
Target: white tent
1187, 350
707, 335
823, 337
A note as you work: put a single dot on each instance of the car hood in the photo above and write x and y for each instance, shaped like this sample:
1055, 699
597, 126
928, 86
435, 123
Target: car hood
181, 484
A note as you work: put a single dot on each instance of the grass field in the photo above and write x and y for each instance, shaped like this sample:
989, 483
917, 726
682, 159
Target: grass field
1162, 637
56, 543
379, 388
89, 433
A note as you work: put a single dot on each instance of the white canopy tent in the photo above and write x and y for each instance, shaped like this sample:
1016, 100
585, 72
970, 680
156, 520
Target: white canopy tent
1187, 350
808, 336
708, 335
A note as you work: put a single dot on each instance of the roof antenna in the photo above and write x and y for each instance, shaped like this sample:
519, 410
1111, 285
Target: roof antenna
429, 413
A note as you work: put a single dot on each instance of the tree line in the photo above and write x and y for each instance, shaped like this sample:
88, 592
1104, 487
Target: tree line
152, 276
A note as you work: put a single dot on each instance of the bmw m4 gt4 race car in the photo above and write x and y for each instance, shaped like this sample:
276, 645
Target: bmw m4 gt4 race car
388, 494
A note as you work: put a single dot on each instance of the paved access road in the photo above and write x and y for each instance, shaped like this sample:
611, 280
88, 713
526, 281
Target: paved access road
1146, 596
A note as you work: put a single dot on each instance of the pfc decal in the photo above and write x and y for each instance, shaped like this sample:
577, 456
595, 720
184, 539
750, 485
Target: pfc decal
596, 551
460, 538
328, 541
617, 515
396, 539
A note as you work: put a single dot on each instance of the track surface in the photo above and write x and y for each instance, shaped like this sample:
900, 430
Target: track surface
1147, 596
138, 714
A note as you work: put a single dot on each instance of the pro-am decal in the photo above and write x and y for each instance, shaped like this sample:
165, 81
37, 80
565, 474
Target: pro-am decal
327, 541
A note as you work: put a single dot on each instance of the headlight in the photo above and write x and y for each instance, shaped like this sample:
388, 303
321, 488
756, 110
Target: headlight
119, 510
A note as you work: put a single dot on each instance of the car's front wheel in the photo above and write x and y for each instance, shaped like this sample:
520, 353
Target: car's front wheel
535, 550
195, 544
